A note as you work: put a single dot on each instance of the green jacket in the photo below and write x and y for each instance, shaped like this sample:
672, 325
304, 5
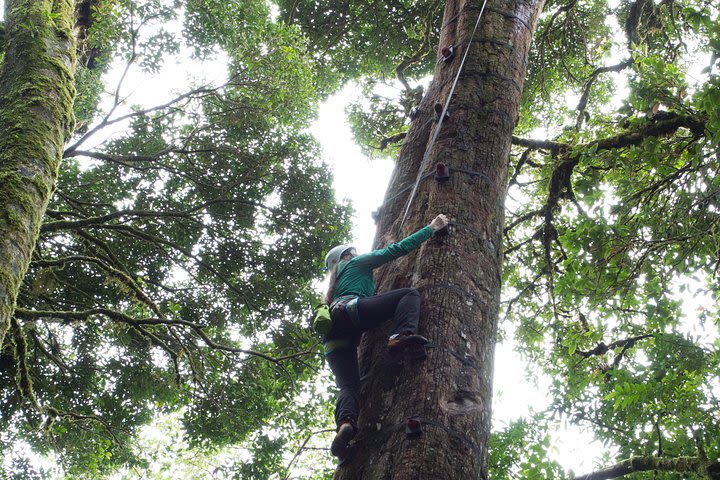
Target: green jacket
355, 277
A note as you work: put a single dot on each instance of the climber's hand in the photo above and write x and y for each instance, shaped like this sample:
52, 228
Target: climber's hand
439, 222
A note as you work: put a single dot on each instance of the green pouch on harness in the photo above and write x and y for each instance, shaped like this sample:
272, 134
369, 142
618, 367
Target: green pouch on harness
322, 321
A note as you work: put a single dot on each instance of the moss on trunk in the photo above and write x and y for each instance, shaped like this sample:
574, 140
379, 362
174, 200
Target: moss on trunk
36, 97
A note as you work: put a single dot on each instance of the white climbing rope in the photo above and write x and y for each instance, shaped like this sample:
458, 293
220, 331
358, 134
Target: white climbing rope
426, 155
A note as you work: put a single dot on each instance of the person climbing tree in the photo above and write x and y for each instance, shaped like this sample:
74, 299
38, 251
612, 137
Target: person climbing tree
355, 308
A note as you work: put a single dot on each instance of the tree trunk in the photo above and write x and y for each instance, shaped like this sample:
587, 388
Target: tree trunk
36, 99
458, 274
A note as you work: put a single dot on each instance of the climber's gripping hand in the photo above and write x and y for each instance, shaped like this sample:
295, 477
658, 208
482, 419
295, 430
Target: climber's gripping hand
439, 222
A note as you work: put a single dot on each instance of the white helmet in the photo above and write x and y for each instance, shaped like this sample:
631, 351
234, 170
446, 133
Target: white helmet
334, 255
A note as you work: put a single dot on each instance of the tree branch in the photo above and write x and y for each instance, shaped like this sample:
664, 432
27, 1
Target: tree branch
540, 144
70, 225
649, 464
53, 412
582, 105
303, 447
201, 91
78, 316
602, 348
422, 50
123, 277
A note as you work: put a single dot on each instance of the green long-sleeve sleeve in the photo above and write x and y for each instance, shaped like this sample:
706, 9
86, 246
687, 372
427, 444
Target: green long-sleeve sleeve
355, 277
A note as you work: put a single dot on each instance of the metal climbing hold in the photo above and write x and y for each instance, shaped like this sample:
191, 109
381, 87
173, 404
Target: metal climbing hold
413, 427
447, 54
442, 172
439, 113
414, 113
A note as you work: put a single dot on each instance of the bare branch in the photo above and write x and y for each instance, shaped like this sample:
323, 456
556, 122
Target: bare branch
582, 105
303, 447
199, 92
77, 316
602, 348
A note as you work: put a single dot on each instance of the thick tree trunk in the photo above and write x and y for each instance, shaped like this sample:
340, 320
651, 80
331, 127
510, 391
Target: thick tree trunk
36, 98
458, 274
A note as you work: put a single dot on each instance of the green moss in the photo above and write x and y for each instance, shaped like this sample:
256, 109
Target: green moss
36, 95
23, 378
14, 193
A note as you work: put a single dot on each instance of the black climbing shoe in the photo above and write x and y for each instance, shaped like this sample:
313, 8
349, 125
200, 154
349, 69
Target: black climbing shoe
405, 341
339, 446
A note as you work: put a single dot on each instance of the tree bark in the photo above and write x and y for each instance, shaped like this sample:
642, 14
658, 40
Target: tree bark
459, 273
36, 99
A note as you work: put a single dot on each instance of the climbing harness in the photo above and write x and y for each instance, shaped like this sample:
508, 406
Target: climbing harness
436, 132
346, 304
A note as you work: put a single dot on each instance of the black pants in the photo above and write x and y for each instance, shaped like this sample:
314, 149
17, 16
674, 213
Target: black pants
403, 305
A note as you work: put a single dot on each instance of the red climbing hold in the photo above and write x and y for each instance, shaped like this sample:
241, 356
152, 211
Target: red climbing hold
439, 111
442, 172
448, 53
413, 427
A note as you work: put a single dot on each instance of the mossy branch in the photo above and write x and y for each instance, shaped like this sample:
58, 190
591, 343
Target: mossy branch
22, 378
603, 348
53, 413
582, 104
560, 182
695, 465
560, 185
101, 219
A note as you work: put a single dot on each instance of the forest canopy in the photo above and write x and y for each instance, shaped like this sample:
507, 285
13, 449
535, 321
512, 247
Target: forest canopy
174, 266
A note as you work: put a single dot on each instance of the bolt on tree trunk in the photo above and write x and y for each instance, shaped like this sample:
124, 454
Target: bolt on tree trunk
36, 99
458, 274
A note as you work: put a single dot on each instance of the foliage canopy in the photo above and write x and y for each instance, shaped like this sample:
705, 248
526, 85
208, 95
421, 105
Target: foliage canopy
611, 255
177, 256
174, 268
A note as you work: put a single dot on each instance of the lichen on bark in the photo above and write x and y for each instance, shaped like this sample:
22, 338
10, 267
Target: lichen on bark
36, 98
